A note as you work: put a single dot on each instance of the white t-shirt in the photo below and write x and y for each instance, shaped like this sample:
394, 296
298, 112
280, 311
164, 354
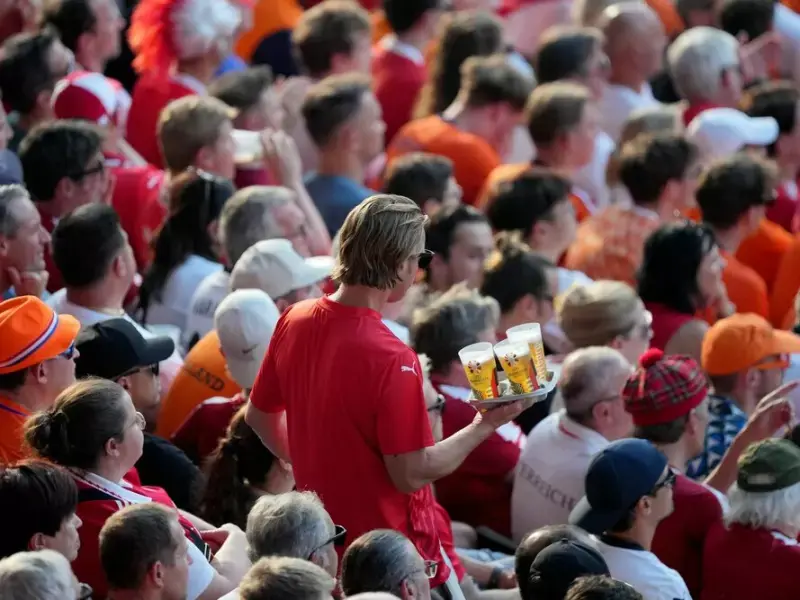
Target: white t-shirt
168, 368
205, 300
173, 306
549, 480
591, 179
617, 104
652, 579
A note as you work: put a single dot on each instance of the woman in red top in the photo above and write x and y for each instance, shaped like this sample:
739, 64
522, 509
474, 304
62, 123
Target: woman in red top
680, 277
95, 432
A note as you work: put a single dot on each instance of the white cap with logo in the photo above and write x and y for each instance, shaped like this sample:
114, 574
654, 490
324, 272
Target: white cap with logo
722, 132
245, 321
274, 267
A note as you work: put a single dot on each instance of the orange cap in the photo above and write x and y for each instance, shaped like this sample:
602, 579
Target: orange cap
32, 332
743, 341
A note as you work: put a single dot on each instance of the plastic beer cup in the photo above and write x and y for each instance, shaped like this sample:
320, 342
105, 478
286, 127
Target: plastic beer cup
478, 363
532, 334
515, 358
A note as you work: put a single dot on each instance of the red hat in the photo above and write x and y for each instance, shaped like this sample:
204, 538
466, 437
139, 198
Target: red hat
91, 97
664, 388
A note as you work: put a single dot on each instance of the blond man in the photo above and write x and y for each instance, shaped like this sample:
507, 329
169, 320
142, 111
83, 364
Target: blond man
341, 397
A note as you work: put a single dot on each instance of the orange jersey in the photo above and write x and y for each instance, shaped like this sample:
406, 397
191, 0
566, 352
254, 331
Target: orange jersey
473, 157
787, 284
746, 289
764, 249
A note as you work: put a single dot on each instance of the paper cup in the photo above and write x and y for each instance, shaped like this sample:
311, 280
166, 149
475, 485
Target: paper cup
532, 334
478, 363
247, 147
515, 358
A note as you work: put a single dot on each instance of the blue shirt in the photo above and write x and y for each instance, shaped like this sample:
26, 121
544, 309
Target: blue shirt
230, 64
335, 197
726, 420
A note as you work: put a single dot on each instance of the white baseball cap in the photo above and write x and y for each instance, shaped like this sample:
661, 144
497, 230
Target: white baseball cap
722, 132
274, 267
245, 321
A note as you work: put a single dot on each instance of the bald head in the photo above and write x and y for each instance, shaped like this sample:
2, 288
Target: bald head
635, 38
590, 375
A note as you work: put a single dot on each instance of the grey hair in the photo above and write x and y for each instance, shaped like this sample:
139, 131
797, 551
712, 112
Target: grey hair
9, 194
245, 219
43, 575
294, 524
586, 375
378, 561
285, 578
765, 510
696, 60
453, 320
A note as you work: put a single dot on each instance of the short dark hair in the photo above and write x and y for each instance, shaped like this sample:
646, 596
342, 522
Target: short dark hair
441, 228
535, 542
662, 433
25, 69
242, 89
565, 51
331, 103
36, 497
554, 109
732, 186
403, 15
649, 162
601, 587
132, 540
512, 272
519, 203
487, 80
754, 18
55, 150
672, 256
328, 29
71, 19
776, 99
85, 243
418, 176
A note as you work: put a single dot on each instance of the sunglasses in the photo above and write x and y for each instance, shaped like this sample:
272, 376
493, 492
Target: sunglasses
69, 352
154, 369
438, 406
424, 258
337, 539
85, 592
668, 481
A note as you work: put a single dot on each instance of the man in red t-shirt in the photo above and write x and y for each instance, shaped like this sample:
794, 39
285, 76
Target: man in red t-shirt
341, 398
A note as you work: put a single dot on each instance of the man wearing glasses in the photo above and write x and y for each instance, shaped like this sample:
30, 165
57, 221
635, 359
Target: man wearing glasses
628, 492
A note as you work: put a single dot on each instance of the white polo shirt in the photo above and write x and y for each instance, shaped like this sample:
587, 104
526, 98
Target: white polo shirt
640, 568
549, 480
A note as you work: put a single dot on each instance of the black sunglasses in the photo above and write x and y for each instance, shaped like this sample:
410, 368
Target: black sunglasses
668, 481
424, 258
85, 592
439, 405
155, 369
337, 540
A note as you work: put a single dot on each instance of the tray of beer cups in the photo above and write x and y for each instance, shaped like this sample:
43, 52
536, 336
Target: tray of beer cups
523, 375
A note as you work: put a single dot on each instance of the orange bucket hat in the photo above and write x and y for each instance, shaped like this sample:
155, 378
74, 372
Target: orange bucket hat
31, 332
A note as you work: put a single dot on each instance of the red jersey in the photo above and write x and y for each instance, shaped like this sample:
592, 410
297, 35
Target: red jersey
397, 75
150, 95
352, 392
478, 492
201, 432
680, 538
445, 528
742, 562
98, 499
783, 210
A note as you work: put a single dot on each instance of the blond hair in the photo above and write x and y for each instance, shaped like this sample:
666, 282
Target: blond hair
377, 237
596, 314
189, 124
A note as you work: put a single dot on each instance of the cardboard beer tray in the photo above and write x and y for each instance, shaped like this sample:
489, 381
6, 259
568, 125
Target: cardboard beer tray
531, 398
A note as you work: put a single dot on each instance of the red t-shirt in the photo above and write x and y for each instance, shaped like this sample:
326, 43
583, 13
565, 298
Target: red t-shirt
680, 537
397, 80
784, 209
150, 95
201, 432
138, 201
97, 501
666, 323
741, 562
352, 392
478, 492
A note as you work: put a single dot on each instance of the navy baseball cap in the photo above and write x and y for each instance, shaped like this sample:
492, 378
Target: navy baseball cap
557, 567
617, 477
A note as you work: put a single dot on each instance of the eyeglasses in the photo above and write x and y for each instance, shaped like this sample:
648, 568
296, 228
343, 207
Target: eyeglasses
424, 258
69, 352
668, 481
337, 540
438, 406
99, 167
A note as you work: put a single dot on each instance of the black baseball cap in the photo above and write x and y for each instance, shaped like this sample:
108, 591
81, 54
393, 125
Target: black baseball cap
112, 348
557, 567
618, 476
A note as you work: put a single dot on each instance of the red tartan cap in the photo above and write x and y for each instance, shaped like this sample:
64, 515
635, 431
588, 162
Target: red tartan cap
664, 388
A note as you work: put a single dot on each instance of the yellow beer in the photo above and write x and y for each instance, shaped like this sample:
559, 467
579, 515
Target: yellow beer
515, 358
478, 363
531, 333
